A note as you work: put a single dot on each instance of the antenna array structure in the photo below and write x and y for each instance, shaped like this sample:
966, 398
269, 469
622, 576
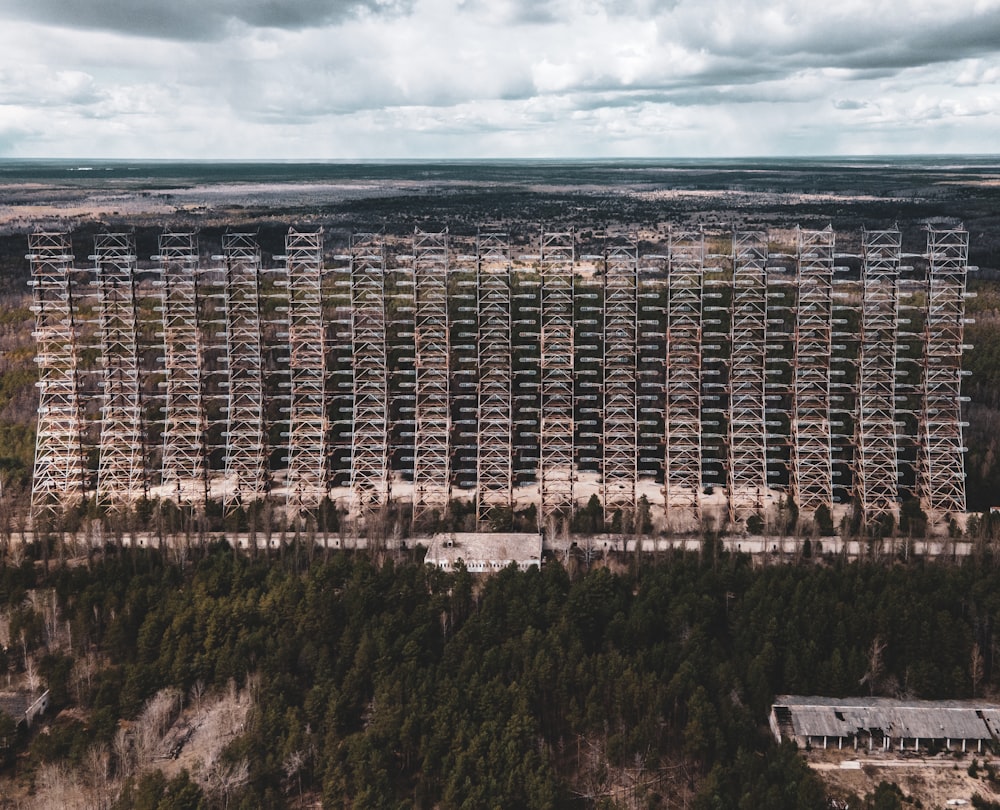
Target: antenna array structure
432, 348
683, 387
876, 461
747, 390
620, 446
370, 435
495, 456
185, 464
502, 371
557, 417
121, 472
246, 469
941, 473
60, 470
308, 424
812, 461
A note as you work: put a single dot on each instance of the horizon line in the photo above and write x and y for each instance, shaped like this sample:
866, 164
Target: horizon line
537, 159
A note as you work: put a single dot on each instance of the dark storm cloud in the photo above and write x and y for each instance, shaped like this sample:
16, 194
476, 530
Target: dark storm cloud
969, 37
193, 20
885, 45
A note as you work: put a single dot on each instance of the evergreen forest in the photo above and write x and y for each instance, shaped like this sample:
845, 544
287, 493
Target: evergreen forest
380, 683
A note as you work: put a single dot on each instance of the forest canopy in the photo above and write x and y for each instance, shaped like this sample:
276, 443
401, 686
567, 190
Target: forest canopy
398, 685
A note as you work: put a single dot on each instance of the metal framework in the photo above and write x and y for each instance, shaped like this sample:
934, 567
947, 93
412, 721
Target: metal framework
370, 434
556, 419
876, 468
682, 396
432, 344
185, 468
59, 479
495, 454
941, 479
121, 471
246, 469
747, 400
308, 426
812, 465
620, 446
705, 378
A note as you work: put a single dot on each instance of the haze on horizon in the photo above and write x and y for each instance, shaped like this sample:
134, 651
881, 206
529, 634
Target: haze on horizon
424, 79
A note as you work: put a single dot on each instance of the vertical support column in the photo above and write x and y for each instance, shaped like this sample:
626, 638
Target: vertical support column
246, 473
941, 480
556, 428
876, 471
495, 453
812, 465
620, 446
59, 479
682, 460
432, 344
370, 436
185, 469
307, 482
747, 394
121, 473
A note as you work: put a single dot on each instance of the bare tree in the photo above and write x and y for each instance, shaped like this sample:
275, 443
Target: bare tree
123, 753
225, 778
976, 668
873, 677
292, 767
157, 716
102, 786
197, 693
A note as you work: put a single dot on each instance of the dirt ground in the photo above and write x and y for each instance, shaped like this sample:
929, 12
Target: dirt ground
933, 780
198, 736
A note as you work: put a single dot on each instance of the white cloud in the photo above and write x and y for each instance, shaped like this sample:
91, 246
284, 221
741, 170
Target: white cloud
500, 78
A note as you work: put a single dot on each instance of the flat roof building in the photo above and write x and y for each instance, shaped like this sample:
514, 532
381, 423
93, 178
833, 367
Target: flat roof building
884, 723
484, 552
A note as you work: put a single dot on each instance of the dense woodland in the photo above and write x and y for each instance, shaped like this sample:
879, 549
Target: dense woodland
391, 684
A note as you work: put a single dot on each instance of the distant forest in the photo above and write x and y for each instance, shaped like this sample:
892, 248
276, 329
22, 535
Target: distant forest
386, 683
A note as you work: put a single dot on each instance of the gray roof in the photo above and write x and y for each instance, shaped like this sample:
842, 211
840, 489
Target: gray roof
493, 546
16, 703
926, 719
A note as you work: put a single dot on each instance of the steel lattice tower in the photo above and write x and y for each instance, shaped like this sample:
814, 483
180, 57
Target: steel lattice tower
246, 449
370, 436
812, 464
876, 471
941, 474
121, 472
308, 424
432, 343
495, 455
747, 400
682, 395
59, 479
620, 449
185, 470
556, 422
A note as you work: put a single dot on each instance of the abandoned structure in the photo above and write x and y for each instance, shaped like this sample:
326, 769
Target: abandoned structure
24, 706
484, 552
750, 368
883, 724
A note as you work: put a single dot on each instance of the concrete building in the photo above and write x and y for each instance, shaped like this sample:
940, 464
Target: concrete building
885, 724
23, 706
484, 552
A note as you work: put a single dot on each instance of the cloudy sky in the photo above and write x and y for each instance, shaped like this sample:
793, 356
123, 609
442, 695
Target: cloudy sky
304, 79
